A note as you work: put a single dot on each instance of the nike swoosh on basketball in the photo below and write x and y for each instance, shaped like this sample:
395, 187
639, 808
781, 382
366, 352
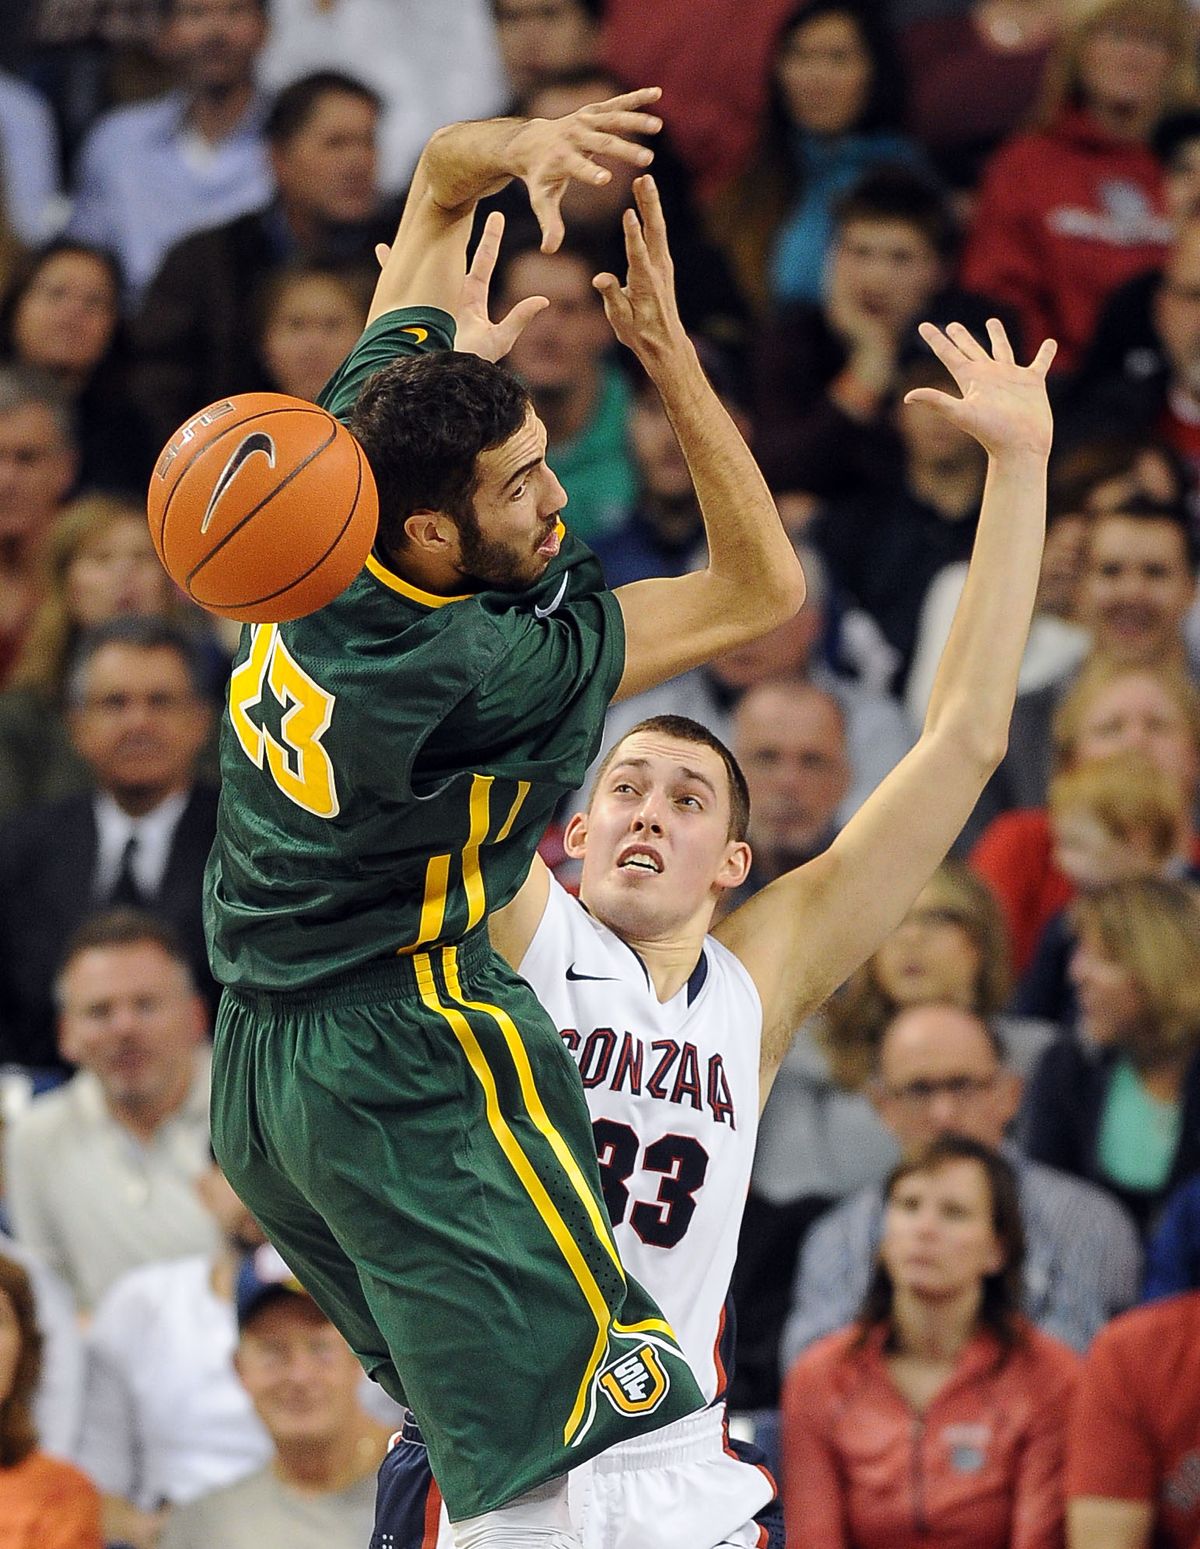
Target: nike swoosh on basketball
256, 441
596, 978
544, 613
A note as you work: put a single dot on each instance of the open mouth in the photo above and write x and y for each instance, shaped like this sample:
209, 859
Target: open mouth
640, 860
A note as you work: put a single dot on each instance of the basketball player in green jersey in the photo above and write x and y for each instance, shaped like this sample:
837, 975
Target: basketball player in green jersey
389, 1098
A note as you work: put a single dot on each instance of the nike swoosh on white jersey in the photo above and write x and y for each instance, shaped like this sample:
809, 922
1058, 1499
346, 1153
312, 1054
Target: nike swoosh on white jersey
544, 613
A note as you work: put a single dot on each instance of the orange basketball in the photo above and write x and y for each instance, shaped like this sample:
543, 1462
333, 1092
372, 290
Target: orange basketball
262, 508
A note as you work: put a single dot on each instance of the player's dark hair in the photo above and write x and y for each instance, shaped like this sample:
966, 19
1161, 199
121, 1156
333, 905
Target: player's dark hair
894, 193
683, 729
1003, 1291
18, 1428
1142, 508
298, 101
140, 634
423, 421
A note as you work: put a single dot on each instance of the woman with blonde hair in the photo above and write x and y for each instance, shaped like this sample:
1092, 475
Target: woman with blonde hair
44, 1503
1076, 207
1111, 708
100, 564
951, 947
1117, 1099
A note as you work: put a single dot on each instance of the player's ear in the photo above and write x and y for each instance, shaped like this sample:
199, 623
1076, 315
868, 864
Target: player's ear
575, 836
735, 867
432, 532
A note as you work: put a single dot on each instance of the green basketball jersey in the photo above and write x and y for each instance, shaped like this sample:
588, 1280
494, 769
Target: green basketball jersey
390, 762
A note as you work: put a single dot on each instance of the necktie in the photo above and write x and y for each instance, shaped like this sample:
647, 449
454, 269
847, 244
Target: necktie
125, 890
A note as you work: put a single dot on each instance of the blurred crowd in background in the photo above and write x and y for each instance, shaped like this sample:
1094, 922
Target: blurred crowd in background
986, 1149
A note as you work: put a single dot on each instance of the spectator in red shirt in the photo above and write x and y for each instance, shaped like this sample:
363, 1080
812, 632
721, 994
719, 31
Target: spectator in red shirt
1072, 210
1133, 1467
939, 1419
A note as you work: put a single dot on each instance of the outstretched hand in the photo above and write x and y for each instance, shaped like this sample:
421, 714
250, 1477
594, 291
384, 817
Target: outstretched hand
548, 153
1003, 405
643, 312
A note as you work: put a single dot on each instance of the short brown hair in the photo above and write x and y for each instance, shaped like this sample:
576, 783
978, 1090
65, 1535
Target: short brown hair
124, 927
18, 1432
683, 729
1100, 673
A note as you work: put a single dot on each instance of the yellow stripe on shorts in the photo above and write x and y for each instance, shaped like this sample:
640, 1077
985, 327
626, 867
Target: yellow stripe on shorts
525, 1171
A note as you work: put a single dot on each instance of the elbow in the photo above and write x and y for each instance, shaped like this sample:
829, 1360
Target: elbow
976, 748
784, 596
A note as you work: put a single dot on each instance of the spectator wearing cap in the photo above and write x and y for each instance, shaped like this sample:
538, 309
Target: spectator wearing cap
139, 836
1132, 1466
101, 1171
303, 1380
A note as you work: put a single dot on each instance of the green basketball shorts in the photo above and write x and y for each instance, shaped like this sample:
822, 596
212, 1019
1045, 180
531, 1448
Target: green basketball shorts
415, 1141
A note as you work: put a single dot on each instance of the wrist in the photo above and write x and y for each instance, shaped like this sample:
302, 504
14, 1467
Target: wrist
670, 360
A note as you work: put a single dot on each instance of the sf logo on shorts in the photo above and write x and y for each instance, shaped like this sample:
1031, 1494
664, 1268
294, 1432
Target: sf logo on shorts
635, 1383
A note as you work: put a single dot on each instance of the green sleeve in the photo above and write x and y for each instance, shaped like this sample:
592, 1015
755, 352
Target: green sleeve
404, 331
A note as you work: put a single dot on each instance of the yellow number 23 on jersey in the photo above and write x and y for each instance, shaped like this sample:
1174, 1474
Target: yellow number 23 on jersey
299, 765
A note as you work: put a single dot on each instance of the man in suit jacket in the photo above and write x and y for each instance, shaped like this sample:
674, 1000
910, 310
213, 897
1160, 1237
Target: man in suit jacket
140, 837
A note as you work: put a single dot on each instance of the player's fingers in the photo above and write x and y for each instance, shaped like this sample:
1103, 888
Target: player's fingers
933, 399
382, 253
635, 246
966, 341
625, 102
946, 350
616, 303
545, 202
620, 123
1042, 360
597, 143
1001, 348
488, 249
510, 327
654, 225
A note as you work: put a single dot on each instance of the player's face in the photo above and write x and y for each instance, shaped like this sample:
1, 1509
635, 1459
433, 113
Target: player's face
129, 1015
65, 320
655, 839
299, 1372
887, 269
930, 956
312, 328
1137, 588
515, 533
117, 572
138, 723
326, 169
214, 43
1136, 711
938, 1238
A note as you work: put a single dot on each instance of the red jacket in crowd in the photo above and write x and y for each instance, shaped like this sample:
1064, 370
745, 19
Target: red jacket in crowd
981, 1469
1064, 217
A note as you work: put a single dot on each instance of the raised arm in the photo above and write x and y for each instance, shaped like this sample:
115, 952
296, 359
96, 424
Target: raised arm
801, 936
465, 162
753, 579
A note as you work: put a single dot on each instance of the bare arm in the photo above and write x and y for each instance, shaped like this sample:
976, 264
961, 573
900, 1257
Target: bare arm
801, 936
463, 163
1094, 1523
513, 928
753, 579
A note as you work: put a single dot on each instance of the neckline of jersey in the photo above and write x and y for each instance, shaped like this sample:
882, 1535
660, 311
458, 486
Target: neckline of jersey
416, 594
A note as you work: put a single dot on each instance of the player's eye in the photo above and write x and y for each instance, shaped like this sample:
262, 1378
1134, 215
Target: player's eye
519, 491
623, 788
693, 801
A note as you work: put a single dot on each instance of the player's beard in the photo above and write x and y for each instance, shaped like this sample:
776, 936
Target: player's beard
501, 566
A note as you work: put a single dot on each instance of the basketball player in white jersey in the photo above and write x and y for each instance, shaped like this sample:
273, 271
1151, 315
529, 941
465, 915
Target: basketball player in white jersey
679, 1031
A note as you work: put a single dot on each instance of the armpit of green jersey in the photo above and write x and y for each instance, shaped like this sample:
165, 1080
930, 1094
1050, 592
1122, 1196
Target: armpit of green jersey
404, 331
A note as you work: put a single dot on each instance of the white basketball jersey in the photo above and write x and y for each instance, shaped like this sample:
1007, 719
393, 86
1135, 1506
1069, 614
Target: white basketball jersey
673, 1094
